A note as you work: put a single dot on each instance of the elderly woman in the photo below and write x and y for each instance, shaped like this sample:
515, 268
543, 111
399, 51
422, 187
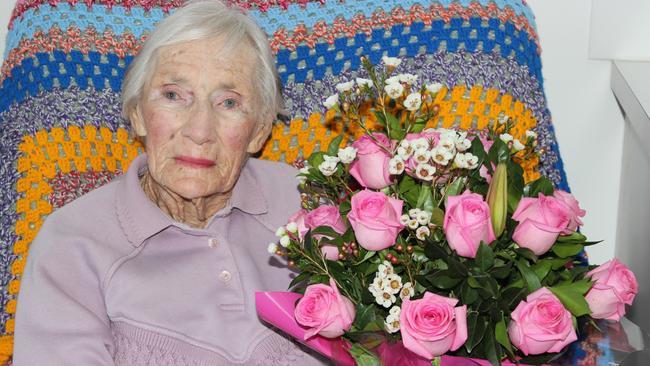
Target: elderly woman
160, 266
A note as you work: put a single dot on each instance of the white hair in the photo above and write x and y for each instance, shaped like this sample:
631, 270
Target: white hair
202, 19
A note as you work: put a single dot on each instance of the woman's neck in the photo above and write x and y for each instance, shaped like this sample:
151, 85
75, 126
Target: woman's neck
193, 212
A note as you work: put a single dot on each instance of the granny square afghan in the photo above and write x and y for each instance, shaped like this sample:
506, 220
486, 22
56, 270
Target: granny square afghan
61, 133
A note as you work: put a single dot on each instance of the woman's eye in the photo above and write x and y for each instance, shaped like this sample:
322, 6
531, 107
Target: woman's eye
230, 103
171, 95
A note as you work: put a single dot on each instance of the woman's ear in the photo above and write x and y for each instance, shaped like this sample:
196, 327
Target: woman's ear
260, 136
137, 122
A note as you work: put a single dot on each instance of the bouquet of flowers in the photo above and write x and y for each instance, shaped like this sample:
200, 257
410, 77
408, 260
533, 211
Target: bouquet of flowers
415, 242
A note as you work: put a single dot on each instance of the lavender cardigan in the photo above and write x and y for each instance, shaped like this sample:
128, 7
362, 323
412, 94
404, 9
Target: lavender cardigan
112, 280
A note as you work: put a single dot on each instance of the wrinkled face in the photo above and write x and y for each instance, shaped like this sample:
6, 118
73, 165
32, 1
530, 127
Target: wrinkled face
199, 118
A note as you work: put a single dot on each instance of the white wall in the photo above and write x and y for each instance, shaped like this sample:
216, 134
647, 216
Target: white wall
588, 123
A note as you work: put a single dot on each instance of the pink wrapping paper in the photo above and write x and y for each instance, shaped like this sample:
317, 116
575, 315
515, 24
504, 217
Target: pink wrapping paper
277, 308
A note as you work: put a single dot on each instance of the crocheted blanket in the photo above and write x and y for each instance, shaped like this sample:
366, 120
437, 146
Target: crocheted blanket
61, 133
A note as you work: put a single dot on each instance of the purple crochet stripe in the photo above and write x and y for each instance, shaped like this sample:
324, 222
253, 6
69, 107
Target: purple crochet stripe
453, 69
60, 108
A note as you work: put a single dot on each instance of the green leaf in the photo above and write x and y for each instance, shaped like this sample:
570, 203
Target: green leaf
455, 188
315, 159
527, 253
443, 280
468, 295
501, 272
574, 238
433, 251
515, 186
572, 298
365, 314
476, 332
425, 198
380, 118
512, 297
364, 357
345, 207
499, 152
567, 250
409, 190
542, 185
369, 254
501, 335
457, 268
542, 268
529, 276
484, 257
491, 348
299, 278
438, 217
333, 147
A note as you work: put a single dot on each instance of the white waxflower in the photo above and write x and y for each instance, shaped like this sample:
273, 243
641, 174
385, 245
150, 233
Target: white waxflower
420, 144
413, 224
361, 82
425, 172
414, 212
385, 299
304, 169
272, 248
407, 78
441, 155
394, 283
331, 101
384, 269
333, 159
423, 217
506, 137
422, 156
285, 240
448, 144
460, 161
461, 135
343, 87
504, 118
328, 167
433, 87
392, 80
472, 161
347, 155
413, 101
420, 258
404, 152
395, 310
517, 145
292, 227
396, 165
281, 231
392, 323
394, 90
462, 145
532, 134
446, 133
407, 290
391, 61
422, 232
404, 219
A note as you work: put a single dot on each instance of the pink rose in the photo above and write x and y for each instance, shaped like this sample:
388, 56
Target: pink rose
370, 168
375, 219
324, 311
541, 221
614, 286
467, 223
432, 325
541, 324
299, 219
326, 215
576, 212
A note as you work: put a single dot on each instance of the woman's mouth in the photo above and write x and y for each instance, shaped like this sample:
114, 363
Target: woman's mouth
195, 162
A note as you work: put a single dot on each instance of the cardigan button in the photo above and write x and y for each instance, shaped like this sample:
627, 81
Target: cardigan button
225, 276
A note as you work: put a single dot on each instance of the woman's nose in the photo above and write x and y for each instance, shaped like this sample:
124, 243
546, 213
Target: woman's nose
200, 124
